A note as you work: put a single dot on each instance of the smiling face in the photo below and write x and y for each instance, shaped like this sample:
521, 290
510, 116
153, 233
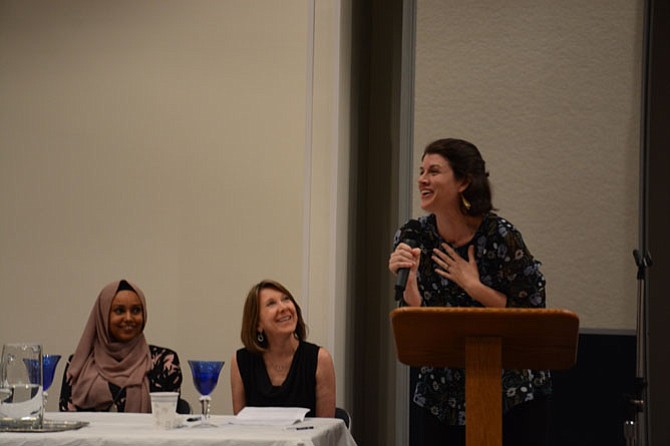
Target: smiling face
126, 316
438, 186
277, 313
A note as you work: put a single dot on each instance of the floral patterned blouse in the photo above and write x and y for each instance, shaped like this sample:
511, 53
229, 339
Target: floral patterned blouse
164, 376
504, 264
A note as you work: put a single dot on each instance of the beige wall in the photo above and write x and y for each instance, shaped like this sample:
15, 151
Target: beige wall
550, 93
192, 147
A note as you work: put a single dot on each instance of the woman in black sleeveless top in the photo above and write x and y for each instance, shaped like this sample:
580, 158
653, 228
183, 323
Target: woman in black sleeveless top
277, 367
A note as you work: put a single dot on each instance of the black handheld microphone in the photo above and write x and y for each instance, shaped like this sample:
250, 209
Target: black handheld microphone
410, 236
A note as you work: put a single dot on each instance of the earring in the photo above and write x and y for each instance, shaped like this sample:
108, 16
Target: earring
259, 337
466, 203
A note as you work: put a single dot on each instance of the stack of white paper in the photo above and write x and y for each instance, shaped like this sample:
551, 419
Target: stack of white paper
273, 416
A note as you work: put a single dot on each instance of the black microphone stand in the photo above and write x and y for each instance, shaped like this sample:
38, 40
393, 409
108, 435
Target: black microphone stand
634, 432
635, 427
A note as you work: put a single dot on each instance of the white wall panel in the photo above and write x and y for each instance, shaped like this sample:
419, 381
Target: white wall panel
550, 93
170, 143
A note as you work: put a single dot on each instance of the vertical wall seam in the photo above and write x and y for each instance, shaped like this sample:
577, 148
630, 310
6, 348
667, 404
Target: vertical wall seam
307, 186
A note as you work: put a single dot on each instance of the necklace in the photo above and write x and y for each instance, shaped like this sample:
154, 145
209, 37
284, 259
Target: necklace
280, 367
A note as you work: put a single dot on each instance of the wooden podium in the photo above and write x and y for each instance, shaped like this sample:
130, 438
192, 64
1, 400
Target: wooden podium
484, 341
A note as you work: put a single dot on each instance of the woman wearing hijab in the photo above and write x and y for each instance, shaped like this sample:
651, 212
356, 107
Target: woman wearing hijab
113, 367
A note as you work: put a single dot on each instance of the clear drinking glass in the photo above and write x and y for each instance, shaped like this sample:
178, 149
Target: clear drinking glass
22, 404
205, 377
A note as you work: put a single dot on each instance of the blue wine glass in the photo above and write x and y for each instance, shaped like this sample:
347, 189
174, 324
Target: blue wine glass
205, 378
49, 363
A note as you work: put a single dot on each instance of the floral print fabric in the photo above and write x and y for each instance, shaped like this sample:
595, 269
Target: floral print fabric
504, 264
165, 376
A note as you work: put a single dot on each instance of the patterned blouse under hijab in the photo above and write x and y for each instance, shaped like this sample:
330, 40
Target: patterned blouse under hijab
504, 264
164, 376
104, 373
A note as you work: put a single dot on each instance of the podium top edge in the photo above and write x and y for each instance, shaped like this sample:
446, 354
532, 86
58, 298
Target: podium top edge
473, 311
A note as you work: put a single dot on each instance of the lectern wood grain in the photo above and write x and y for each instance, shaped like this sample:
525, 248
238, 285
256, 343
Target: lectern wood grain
484, 341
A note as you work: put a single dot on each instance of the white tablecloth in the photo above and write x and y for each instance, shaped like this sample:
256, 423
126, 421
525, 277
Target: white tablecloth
121, 429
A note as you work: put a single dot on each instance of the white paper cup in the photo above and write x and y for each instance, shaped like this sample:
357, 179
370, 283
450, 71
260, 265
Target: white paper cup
164, 409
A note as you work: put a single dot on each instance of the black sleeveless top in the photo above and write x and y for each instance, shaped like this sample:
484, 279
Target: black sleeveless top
299, 388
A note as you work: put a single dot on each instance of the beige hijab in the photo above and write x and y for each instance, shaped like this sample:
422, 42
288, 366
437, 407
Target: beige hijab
100, 360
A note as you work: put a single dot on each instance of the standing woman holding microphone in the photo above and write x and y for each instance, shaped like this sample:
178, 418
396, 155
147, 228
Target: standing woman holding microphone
465, 255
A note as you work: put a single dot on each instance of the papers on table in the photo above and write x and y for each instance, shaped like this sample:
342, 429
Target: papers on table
270, 416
